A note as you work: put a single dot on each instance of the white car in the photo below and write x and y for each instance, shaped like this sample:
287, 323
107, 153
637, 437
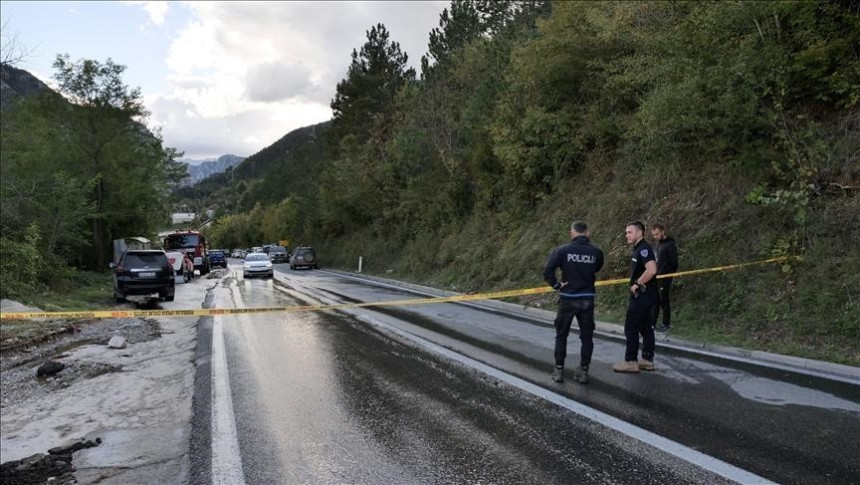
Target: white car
257, 264
182, 266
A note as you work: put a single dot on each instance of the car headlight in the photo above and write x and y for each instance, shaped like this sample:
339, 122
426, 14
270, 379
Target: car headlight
268, 264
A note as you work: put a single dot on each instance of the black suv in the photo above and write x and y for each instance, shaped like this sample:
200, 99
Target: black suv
304, 256
278, 254
142, 272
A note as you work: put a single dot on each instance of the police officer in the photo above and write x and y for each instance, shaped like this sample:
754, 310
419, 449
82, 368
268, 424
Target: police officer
640, 307
666, 252
579, 262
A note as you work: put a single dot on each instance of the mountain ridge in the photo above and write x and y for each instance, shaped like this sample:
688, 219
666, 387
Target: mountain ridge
207, 167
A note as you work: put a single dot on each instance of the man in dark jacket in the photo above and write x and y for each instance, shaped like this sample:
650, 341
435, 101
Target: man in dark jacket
640, 306
579, 262
667, 262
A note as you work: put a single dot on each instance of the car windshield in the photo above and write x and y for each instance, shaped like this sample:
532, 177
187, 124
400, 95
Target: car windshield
302, 252
257, 257
145, 259
277, 249
181, 241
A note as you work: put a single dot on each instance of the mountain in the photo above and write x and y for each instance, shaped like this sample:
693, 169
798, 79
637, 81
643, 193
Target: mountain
201, 169
17, 83
299, 151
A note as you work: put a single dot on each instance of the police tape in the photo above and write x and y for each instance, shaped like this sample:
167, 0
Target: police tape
206, 312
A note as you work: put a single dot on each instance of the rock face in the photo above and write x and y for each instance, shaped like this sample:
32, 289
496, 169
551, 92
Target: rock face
50, 368
199, 171
17, 83
117, 342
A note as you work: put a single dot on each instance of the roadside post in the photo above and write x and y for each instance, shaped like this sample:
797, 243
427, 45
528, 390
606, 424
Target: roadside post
359, 264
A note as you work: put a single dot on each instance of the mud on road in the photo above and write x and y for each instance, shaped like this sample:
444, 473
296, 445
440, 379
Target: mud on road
132, 404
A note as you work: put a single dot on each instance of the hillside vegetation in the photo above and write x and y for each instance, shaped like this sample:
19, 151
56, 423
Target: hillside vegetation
77, 169
734, 123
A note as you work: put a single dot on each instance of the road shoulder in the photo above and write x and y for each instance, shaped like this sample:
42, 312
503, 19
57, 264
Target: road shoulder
817, 368
137, 400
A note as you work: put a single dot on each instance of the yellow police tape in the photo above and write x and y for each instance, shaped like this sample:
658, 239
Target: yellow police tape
305, 308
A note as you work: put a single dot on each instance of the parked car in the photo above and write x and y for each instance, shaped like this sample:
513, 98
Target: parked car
257, 249
143, 272
304, 257
182, 265
257, 264
218, 257
278, 254
239, 253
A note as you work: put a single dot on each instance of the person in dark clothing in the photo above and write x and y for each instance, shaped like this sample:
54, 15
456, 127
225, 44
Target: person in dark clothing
666, 252
579, 262
640, 306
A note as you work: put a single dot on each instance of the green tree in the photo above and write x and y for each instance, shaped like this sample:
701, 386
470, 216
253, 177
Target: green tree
131, 169
364, 99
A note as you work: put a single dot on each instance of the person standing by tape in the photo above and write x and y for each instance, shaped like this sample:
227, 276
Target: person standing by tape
579, 262
666, 253
640, 306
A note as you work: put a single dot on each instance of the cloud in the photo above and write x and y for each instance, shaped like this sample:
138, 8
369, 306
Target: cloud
276, 81
241, 133
244, 74
156, 10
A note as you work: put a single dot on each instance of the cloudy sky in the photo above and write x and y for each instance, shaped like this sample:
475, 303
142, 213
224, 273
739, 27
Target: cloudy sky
219, 78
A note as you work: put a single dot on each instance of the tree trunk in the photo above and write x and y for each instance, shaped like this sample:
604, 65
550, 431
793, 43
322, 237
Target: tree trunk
99, 251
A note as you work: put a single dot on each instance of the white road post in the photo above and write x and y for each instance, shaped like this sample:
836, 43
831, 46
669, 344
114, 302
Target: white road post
359, 264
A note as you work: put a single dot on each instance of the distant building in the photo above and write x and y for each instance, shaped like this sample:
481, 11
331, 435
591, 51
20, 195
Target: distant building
182, 217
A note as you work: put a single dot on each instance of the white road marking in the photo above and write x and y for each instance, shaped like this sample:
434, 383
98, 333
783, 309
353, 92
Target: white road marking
226, 460
707, 462
732, 358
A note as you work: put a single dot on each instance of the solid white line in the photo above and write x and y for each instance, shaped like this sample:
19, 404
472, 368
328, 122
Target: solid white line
732, 358
226, 460
709, 463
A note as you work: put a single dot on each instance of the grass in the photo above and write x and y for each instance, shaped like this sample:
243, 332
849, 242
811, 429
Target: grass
85, 291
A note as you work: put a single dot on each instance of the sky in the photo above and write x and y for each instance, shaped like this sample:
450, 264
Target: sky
219, 77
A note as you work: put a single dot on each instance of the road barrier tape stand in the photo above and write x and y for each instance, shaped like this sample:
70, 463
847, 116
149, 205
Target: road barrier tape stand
202, 312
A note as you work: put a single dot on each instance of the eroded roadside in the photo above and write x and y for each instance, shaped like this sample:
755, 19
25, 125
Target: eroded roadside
135, 399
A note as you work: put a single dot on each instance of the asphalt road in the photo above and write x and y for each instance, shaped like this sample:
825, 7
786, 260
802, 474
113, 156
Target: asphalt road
367, 396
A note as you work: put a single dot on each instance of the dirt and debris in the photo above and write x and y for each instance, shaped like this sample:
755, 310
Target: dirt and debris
53, 467
19, 366
137, 398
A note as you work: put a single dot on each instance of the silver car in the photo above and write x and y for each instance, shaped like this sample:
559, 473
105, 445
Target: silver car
257, 264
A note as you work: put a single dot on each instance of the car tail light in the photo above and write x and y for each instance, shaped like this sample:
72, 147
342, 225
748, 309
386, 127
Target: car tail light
170, 261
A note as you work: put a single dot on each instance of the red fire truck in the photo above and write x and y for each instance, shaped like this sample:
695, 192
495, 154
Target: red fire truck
191, 243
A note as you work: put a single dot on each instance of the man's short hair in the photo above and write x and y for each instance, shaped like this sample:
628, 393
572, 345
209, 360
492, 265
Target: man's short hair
637, 224
659, 226
579, 226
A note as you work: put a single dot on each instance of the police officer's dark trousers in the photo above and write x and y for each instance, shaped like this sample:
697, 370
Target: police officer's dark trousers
664, 286
583, 310
640, 311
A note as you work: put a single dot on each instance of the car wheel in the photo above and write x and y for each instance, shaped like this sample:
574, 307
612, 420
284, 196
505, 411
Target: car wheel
186, 276
118, 297
170, 296
244, 275
316, 266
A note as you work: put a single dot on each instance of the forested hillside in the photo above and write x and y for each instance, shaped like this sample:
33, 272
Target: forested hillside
733, 123
77, 169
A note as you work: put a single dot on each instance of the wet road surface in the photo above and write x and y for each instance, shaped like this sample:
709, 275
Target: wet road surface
328, 397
